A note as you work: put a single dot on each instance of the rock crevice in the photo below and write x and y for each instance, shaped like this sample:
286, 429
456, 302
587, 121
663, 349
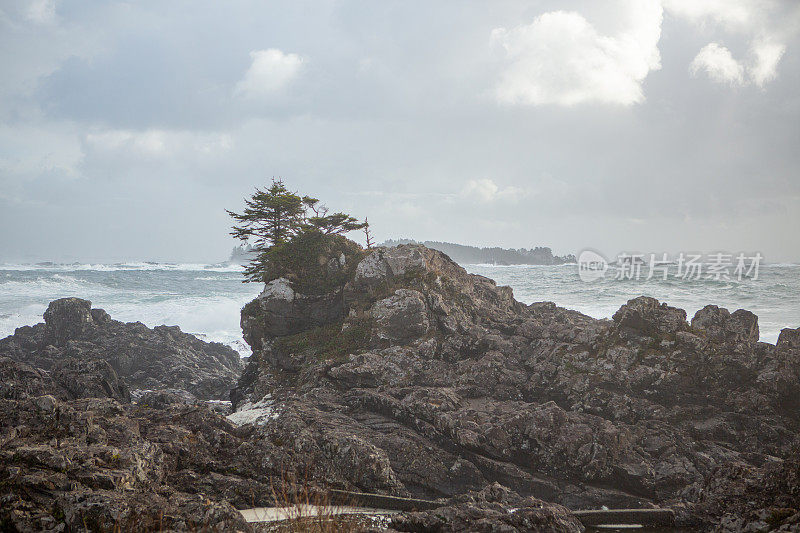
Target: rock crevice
453, 384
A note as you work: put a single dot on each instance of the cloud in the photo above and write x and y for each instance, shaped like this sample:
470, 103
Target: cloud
270, 72
718, 63
410, 122
487, 191
735, 15
149, 143
766, 26
35, 43
41, 11
561, 59
766, 57
156, 143
31, 150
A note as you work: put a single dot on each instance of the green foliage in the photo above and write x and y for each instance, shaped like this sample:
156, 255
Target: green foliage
251, 308
331, 342
270, 216
335, 224
287, 229
311, 261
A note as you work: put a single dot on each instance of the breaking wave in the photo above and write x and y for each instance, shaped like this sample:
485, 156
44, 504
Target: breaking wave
206, 299
205, 305
113, 267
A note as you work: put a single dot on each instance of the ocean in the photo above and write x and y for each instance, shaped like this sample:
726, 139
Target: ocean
202, 299
205, 299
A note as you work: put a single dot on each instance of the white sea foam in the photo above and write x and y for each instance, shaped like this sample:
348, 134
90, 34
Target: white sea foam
206, 299
113, 267
207, 307
774, 297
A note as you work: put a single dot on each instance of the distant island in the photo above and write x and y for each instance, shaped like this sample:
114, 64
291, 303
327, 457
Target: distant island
467, 255
241, 255
460, 253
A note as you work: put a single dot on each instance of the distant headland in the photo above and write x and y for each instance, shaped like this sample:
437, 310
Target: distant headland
470, 255
460, 253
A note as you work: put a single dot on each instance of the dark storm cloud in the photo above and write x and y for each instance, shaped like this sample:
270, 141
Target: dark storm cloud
126, 129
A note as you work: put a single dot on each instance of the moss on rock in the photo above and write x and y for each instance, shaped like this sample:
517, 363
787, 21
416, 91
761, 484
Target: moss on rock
313, 262
329, 343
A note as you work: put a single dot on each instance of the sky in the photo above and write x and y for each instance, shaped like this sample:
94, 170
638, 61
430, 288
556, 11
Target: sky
127, 128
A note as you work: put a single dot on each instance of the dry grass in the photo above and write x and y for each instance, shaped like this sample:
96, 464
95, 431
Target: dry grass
305, 506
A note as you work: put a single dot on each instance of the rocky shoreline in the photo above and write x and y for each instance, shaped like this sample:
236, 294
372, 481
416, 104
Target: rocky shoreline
410, 378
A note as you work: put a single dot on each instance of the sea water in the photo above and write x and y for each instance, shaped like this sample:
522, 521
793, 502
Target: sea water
202, 299
206, 299
774, 295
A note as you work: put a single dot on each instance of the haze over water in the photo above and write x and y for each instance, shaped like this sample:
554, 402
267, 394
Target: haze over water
774, 296
206, 299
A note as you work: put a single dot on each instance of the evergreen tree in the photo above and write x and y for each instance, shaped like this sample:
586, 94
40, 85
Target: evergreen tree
270, 217
273, 217
334, 224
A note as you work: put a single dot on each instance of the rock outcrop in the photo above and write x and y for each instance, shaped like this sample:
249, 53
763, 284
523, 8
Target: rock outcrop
77, 455
76, 340
405, 376
427, 381
94, 463
494, 508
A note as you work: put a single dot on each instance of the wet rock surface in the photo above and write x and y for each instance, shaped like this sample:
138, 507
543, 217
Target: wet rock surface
97, 464
74, 335
434, 383
76, 454
494, 508
410, 378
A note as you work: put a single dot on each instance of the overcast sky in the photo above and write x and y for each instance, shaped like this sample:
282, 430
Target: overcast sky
126, 128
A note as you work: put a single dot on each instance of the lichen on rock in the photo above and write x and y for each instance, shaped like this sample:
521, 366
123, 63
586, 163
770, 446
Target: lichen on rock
459, 385
399, 373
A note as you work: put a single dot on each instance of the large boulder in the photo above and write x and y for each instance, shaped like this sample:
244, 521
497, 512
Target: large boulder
789, 341
279, 310
383, 265
93, 354
68, 318
90, 379
645, 316
20, 380
721, 326
743, 497
401, 317
93, 464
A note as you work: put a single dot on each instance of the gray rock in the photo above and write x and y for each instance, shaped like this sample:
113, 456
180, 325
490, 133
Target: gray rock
401, 317
279, 310
372, 270
645, 316
91, 355
68, 318
721, 326
451, 384
415, 379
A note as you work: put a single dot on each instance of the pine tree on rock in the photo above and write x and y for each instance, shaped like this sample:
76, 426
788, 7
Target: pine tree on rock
273, 217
